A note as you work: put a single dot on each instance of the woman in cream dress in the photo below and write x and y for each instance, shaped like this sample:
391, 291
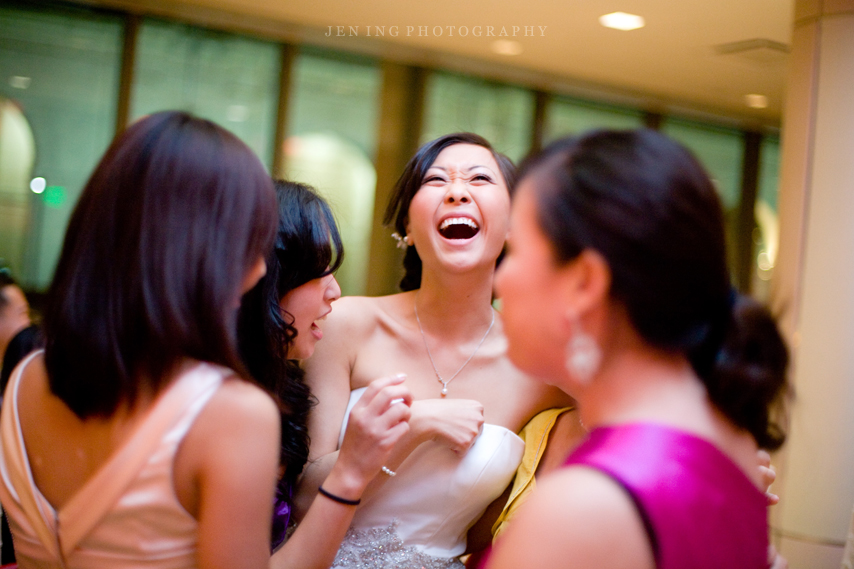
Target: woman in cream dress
450, 210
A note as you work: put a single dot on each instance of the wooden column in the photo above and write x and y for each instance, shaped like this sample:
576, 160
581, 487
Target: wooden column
541, 103
288, 53
652, 120
126, 75
399, 132
746, 220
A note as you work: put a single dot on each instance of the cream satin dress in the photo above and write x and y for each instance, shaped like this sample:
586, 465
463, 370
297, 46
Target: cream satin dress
126, 515
419, 518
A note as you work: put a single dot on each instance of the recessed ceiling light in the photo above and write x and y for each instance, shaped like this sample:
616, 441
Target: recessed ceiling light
622, 21
755, 101
507, 47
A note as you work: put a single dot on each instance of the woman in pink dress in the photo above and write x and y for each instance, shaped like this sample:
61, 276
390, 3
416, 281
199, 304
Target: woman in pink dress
616, 290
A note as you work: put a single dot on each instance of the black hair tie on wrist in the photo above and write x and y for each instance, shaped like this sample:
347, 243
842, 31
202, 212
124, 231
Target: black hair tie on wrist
338, 499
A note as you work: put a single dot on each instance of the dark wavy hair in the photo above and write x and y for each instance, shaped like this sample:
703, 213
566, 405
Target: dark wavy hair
307, 246
397, 211
647, 206
174, 216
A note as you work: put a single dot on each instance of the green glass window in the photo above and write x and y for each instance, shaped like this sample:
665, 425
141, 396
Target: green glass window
229, 79
503, 114
767, 234
769, 171
60, 69
332, 128
719, 149
565, 116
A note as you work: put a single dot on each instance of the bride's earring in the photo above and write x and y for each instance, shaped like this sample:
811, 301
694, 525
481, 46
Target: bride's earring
402, 242
583, 355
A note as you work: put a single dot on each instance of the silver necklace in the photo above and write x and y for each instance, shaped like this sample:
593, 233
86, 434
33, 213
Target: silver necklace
443, 381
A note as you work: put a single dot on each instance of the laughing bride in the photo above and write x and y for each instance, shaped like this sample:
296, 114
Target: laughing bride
450, 211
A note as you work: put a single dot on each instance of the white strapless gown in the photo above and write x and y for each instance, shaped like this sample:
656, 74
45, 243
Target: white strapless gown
420, 517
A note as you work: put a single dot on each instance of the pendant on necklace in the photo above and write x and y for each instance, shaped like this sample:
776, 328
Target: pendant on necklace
429, 355
444, 384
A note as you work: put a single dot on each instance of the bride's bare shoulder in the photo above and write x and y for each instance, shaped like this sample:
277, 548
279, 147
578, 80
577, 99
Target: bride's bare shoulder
366, 312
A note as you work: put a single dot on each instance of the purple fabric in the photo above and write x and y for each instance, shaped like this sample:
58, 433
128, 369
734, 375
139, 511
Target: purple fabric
700, 509
281, 514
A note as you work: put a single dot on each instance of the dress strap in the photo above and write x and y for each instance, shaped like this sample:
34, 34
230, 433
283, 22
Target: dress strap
17, 488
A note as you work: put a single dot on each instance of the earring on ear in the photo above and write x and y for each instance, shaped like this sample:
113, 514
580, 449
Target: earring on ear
402, 242
583, 355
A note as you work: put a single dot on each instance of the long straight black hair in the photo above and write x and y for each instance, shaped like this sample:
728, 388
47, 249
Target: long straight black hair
156, 252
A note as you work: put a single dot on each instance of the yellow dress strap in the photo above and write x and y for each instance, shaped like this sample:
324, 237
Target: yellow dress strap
535, 434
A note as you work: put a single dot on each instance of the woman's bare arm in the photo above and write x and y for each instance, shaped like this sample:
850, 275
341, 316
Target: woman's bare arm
377, 424
225, 474
328, 376
576, 517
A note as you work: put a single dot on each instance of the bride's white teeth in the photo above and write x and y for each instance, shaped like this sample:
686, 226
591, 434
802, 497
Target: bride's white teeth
458, 221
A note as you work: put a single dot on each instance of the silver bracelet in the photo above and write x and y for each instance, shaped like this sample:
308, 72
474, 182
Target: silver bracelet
389, 471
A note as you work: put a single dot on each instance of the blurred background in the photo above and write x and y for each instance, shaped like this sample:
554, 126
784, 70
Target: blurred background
339, 94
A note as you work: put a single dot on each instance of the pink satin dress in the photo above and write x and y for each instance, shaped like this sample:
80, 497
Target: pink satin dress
700, 510
126, 515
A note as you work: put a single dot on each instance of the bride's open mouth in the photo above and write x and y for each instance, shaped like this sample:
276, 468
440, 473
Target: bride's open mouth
458, 228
